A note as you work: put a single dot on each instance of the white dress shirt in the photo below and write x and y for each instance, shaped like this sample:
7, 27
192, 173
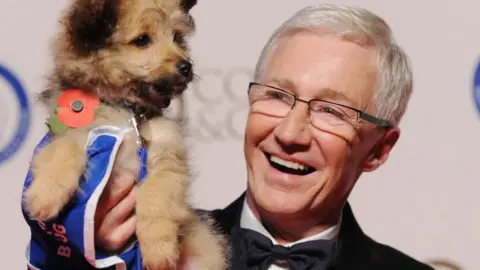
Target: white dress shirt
249, 221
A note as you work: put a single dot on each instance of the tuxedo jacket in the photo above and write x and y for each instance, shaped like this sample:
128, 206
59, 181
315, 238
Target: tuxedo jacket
356, 251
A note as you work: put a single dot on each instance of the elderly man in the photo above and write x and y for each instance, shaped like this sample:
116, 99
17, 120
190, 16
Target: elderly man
329, 91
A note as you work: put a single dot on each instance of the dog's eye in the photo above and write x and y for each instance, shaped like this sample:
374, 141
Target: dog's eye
178, 38
142, 41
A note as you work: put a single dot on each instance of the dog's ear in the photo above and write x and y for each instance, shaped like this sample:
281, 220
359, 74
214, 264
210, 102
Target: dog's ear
188, 4
90, 24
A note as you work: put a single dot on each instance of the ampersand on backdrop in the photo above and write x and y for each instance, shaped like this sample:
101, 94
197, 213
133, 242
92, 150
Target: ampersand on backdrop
216, 105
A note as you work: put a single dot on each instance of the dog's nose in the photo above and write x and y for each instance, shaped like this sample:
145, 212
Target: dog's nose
184, 67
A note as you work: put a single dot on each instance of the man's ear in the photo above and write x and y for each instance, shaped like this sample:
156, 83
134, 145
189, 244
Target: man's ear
188, 4
381, 150
91, 23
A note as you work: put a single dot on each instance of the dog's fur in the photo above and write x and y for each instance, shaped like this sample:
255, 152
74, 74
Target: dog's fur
127, 52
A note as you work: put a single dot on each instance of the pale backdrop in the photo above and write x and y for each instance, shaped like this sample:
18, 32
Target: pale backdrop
423, 201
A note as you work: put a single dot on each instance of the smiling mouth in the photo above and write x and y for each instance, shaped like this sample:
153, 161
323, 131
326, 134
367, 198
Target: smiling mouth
289, 167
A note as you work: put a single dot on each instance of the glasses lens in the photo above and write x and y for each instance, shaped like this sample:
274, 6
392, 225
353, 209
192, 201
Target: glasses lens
270, 101
323, 112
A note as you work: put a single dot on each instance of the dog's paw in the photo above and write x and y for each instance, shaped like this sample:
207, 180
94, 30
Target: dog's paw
162, 255
159, 246
45, 201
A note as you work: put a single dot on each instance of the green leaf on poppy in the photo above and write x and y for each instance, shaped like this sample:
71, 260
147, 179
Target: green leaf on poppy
55, 125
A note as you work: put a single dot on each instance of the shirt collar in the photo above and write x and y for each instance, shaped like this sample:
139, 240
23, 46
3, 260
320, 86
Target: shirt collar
249, 221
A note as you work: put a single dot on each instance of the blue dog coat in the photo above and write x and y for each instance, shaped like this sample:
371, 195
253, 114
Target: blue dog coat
67, 242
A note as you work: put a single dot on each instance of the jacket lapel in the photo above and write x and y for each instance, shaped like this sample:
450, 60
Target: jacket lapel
354, 245
228, 217
229, 222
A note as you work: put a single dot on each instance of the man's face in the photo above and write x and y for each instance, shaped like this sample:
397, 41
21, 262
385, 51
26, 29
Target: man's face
311, 67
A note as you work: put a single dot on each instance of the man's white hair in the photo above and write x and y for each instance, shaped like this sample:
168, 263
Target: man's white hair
366, 29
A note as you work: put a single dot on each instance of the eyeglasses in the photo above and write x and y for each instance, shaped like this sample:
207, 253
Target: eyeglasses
277, 102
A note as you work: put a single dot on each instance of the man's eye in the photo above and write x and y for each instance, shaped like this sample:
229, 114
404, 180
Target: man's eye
328, 110
334, 111
275, 95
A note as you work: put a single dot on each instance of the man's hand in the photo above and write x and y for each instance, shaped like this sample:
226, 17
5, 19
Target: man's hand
115, 221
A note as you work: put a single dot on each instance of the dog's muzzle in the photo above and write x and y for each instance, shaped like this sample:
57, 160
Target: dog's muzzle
175, 84
161, 91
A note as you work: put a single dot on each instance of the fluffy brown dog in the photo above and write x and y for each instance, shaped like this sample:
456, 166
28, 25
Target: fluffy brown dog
132, 55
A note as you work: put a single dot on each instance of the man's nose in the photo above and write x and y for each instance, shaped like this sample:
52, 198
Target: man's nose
294, 129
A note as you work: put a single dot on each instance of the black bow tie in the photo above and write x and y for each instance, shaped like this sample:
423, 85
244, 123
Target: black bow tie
261, 253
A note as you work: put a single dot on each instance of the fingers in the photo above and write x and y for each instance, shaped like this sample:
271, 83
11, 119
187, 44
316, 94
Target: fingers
118, 214
114, 221
118, 225
119, 236
187, 261
119, 185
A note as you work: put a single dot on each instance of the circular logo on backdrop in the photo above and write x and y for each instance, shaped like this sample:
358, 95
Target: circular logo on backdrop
476, 87
15, 126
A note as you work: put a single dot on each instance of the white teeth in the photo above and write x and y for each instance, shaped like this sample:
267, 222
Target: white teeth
289, 164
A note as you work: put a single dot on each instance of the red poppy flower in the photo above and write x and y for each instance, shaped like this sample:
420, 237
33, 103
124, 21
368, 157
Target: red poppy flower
76, 108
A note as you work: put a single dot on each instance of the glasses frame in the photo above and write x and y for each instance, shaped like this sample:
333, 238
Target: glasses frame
360, 114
